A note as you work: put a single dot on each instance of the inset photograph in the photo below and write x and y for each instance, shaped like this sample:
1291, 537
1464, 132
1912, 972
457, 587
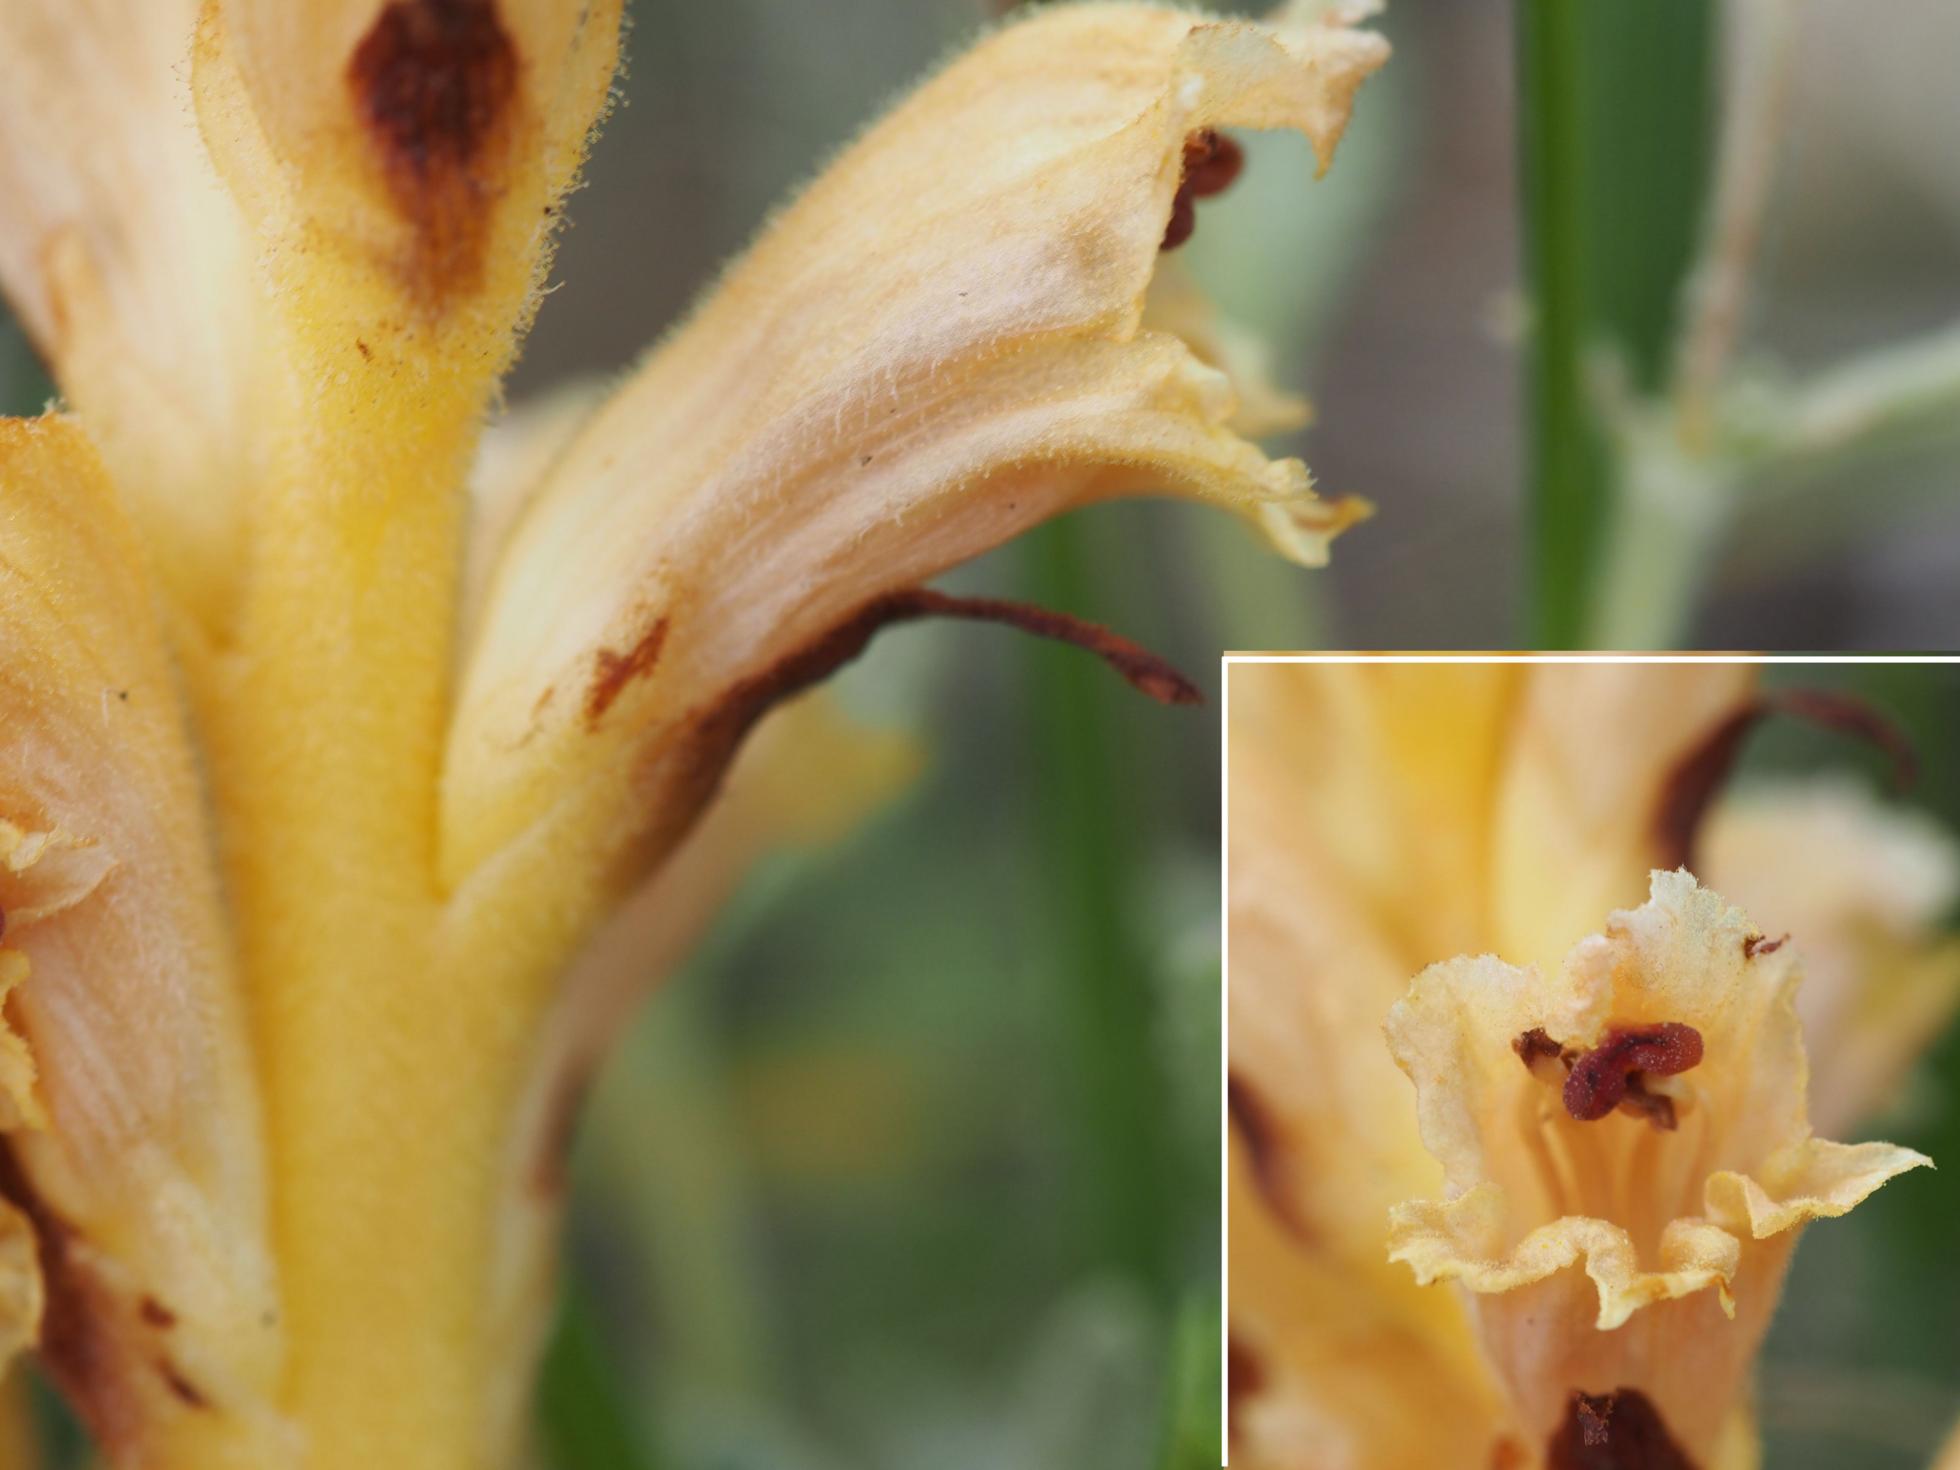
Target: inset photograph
1565, 1001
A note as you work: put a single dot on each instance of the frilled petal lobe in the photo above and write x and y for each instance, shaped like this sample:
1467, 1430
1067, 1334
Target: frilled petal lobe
1861, 889
145, 1185
938, 345
130, 267
1688, 1194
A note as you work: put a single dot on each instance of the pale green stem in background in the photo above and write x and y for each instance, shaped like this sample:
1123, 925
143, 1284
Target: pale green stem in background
1721, 441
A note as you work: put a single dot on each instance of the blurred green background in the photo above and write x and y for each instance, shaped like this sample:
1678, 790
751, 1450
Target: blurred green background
916, 1162
1862, 1367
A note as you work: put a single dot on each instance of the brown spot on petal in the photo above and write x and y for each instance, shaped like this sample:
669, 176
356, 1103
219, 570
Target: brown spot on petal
1757, 944
1211, 162
1245, 1375
1259, 1130
612, 671
435, 83
1600, 1077
156, 1313
1698, 777
1621, 1430
185, 1391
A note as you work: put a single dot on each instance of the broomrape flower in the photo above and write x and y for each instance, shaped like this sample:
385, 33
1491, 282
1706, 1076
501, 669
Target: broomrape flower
324, 755
1608, 1147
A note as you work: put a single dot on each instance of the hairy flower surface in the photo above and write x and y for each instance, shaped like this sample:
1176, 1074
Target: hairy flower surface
353, 771
1385, 819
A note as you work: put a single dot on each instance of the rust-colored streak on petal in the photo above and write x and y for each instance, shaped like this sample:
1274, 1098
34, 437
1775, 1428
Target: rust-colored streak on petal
1621, 1430
157, 1314
550, 1166
720, 730
435, 84
1256, 1126
612, 671
186, 1392
1600, 1078
77, 1345
1245, 1375
1145, 671
1757, 944
1698, 778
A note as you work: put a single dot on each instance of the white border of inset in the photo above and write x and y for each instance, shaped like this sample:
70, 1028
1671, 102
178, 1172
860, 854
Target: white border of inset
1226, 662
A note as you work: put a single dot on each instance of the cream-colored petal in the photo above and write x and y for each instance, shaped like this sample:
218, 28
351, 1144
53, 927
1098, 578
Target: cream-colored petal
1676, 1226
1177, 306
146, 1183
938, 345
132, 270
1860, 888
1589, 759
517, 450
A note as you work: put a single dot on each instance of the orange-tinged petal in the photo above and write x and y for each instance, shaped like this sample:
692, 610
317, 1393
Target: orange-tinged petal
132, 269
145, 1185
938, 345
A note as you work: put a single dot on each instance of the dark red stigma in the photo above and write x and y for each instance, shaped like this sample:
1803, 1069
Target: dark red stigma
1600, 1078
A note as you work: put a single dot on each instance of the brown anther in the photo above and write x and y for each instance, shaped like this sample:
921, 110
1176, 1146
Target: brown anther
1543, 1057
1757, 944
1600, 1078
1211, 162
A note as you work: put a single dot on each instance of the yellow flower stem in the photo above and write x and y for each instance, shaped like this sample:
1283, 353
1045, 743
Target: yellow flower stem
385, 1154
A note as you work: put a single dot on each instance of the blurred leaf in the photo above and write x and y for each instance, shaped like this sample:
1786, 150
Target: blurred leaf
1085, 843
1194, 1432
24, 385
582, 1415
1613, 119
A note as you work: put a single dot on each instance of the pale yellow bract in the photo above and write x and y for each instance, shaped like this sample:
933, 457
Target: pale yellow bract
1441, 850
317, 774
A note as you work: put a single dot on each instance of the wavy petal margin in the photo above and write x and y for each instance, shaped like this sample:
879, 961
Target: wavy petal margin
1662, 1218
